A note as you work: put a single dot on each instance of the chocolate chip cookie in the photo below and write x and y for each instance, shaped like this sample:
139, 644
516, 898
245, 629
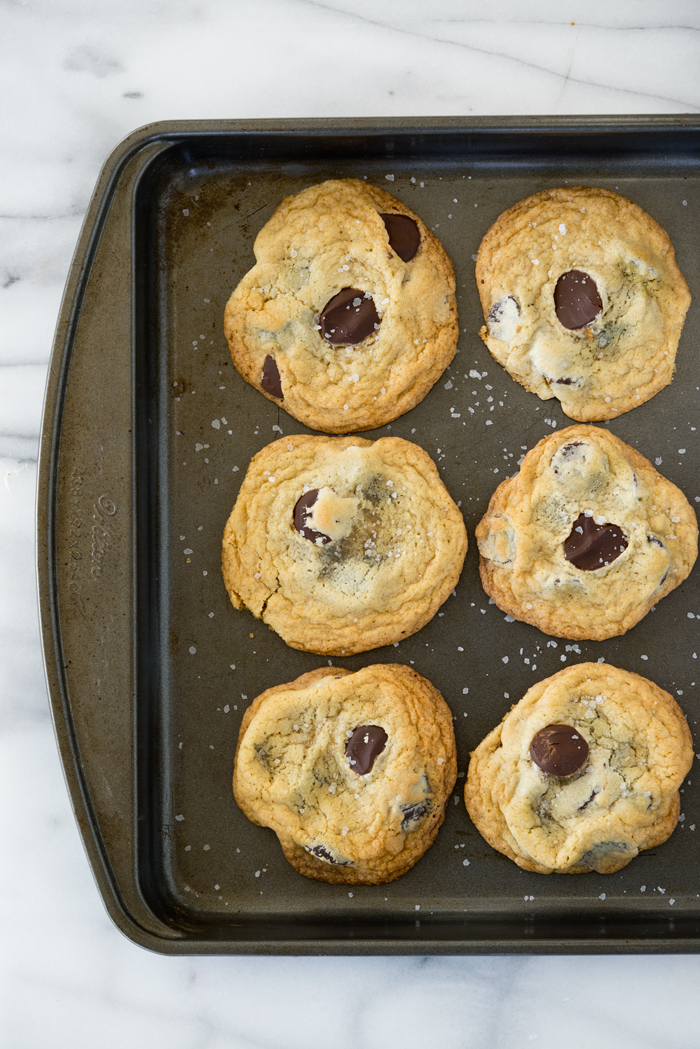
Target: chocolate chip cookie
351, 771
583, 773
583, 300
586, 538
341, 544
349, 316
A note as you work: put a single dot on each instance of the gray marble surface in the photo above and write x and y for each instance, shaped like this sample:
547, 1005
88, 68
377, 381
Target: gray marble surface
76, 77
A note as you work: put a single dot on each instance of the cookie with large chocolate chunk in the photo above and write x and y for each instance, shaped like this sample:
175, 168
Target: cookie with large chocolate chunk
349, 316
351, 771
583, 300
586, 538
341, 544
583, 773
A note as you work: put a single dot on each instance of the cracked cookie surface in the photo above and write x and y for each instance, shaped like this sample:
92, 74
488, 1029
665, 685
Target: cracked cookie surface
349, 316
341, 544
623, 800
583, 300
351, 771
586, 538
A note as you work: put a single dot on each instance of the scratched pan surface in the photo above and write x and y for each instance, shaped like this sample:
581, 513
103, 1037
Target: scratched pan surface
148, 431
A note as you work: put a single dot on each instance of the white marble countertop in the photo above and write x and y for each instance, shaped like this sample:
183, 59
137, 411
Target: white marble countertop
76, 78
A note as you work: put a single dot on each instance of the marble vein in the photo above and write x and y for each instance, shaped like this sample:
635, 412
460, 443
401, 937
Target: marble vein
494, 53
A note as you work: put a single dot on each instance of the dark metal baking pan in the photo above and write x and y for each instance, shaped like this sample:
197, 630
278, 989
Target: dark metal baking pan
147, 434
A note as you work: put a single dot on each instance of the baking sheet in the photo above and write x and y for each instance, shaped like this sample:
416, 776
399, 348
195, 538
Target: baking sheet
148, 433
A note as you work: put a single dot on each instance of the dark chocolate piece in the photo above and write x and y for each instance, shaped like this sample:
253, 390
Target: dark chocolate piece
591, 545
302, 511
271, 382
576, 299
559, 750
404, 235
322, 853
364, 747
414, 814
349, 317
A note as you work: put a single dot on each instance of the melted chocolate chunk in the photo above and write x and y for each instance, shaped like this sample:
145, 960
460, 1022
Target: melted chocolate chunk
500, 309
325, 854
348, 318
404, 235
559, 750
271, 382
576, 299
591, 545
566, 452
587, 802
413, 814
302, 511
364, 747
604, 850
655, 541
